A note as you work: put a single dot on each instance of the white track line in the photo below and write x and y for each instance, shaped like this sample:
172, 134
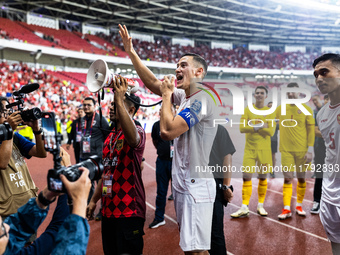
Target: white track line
274, 191
283, 224
166, 216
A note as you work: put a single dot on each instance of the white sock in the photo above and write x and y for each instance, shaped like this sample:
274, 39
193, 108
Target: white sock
298, 204
243, 206
259, 205
287, 207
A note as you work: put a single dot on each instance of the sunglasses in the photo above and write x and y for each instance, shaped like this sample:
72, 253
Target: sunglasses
3, 230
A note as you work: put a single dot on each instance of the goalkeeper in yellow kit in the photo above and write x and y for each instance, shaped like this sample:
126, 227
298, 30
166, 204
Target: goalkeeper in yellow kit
296, 147
257, 154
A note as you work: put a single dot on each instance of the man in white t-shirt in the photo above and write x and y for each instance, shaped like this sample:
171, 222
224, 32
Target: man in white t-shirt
193, 132
327, 78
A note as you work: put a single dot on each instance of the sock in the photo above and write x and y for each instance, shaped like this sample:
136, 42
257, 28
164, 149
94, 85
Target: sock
287, 194
262, 190
300, 191
246, 192
244, 207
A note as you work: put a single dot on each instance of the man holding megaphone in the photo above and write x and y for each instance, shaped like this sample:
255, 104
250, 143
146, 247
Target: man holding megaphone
121, 188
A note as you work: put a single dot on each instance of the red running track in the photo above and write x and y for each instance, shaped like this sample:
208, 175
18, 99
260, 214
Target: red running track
251, 235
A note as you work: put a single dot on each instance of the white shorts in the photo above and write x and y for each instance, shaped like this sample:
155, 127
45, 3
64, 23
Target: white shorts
194, 222
330, 219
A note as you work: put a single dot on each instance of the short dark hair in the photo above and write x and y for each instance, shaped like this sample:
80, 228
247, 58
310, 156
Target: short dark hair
1, 106
262, 87
198, 59
90, 98
292, 85
334, 58
136, 102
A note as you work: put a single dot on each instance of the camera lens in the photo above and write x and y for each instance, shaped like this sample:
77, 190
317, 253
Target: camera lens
6, 132
95, 167
31, 114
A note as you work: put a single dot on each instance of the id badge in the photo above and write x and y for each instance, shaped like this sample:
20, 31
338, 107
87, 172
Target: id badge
86, 144
171, 151
107, 185
78, 137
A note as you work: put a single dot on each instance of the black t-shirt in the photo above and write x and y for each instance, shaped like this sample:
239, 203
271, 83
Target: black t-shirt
221, 147
163, 147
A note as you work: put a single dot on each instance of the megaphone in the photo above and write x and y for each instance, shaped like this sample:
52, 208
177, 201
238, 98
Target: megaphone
99, 76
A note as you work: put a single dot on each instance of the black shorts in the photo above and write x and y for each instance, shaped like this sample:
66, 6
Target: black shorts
123, 235
274, 146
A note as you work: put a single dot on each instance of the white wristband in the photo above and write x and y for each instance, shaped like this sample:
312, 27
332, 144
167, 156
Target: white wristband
310, 149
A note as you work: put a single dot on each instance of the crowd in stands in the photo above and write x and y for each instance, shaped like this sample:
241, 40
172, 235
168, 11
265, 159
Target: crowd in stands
162, 50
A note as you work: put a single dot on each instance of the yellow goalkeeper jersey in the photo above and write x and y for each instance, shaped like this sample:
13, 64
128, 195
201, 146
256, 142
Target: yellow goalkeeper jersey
299, 131
259, 140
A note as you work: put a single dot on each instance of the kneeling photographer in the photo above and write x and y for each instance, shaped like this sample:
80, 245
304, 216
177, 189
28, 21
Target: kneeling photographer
16, 184
73, 235
121, 187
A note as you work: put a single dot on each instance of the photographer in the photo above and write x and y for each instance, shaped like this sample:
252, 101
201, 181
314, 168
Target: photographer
73, 234
121, 188
16, 184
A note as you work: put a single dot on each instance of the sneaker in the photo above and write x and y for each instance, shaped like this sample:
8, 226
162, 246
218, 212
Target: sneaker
285, 214
98, 216
240, 213
156, 224
261, 211
316, 208
300, 211
171, 197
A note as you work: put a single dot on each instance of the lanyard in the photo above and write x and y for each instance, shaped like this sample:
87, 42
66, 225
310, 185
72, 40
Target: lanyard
112, 148
78, 121
91, 124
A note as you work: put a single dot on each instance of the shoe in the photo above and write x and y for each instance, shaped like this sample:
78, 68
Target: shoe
98, 216
240, 213
300, 211
272, 175
261, 211
285, 214
156, 224
171, 197
316, 208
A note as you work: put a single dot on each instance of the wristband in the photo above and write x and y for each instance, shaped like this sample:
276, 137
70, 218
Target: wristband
43, 200
310, 149
38, 132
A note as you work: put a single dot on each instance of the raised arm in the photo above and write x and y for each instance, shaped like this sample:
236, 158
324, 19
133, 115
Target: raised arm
148, 78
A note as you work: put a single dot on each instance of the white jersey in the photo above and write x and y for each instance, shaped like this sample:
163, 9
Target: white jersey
192, 148
328, 119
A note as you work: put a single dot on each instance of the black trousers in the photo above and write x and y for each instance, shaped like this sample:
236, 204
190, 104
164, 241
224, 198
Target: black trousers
123, 235
218, 246
318, 179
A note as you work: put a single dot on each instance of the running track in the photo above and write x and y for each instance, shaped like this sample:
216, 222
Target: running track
250, 235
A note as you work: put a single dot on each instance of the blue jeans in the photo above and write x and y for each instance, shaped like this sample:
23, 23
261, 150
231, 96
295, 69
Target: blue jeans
163, 176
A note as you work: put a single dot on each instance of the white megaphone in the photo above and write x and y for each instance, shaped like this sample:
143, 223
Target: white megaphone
99, 76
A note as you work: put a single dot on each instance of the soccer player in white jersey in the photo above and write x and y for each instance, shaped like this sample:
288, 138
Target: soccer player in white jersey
193, 132
327, 78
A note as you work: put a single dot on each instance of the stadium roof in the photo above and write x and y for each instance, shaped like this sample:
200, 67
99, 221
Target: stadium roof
273, 22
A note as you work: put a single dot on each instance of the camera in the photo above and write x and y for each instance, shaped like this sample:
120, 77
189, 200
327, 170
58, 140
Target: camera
6, 132
52, 141
26, 115
72, 173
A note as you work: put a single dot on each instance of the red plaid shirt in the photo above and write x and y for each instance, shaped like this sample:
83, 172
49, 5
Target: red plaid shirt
123, 162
